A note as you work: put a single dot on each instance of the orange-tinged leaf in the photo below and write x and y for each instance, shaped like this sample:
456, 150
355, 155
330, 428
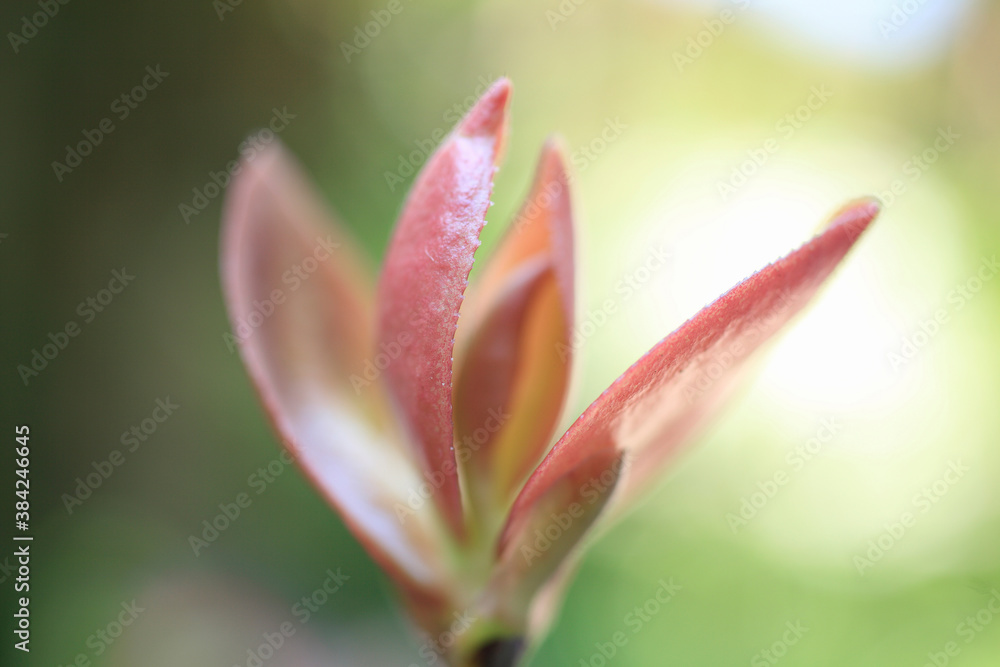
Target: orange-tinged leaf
520, 313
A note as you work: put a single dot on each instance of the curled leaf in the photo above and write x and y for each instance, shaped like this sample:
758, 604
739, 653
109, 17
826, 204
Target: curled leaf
525, 305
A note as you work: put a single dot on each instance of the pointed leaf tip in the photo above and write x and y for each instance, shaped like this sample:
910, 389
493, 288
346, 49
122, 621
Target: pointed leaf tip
855, 216
423, 283
487, 117
660, 401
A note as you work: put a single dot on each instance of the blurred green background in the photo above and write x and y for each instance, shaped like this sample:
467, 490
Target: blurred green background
696, 92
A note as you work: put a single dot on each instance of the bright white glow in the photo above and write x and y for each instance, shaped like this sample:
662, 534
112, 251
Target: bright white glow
836, 355
899, 432
837, 350
880, 32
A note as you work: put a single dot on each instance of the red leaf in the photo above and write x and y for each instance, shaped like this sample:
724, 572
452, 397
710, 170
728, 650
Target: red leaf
651, 409
537, 543
423, 281
299, 299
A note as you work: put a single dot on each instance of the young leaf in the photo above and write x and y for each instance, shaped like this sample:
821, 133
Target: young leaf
423, 281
